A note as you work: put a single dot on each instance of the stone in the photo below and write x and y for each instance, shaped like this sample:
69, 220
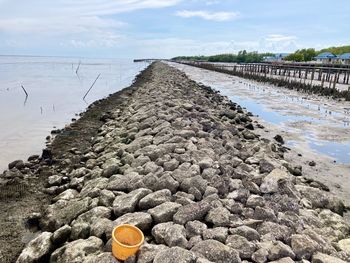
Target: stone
106, 257
217, 233
344, 245
147, 252
218, 216
159, 231
127, 203
278, 232
101, 227
37, 250
260, 256
166, 181
284, 260
215, 251
247, 232
164, 212
139, 219
175, 235
77, 251
54, 180
195, 228
64, 212
80, 230
61, 235
195, 181
242, 245
303, 246
171, 165
174, 255
267, 214
271, 181
265, 166
279, 139
324, 258
66, 195
280, 250
191, 212
93, 214
154, 199
106, 198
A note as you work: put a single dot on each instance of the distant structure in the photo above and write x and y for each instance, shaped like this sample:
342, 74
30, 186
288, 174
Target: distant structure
275, 58
344, 58
326, 57
330, 58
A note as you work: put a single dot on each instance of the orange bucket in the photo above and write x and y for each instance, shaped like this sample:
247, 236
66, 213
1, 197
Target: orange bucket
126, 241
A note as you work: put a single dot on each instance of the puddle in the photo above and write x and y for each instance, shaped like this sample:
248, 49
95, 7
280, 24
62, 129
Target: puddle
323, 124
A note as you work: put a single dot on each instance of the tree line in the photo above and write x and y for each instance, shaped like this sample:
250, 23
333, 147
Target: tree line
242, 57
301, 55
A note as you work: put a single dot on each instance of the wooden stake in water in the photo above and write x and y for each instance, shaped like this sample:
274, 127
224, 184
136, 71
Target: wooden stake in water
24, 90
76, 72
91, 86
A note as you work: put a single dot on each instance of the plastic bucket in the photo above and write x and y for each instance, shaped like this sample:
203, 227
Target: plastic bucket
126, 241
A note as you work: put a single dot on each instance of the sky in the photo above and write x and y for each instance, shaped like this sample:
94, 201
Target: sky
168, 28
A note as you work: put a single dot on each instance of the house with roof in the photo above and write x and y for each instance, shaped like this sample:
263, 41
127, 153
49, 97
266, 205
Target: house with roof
344, 58
276, 57
326, 57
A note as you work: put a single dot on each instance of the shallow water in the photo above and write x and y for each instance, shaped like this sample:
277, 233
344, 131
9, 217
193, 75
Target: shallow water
322, 124
55, 96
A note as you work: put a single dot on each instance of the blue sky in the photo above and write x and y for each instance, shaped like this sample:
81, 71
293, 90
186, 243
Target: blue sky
167, 28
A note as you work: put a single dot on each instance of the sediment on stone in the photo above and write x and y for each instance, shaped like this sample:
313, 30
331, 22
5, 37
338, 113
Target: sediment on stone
183, 163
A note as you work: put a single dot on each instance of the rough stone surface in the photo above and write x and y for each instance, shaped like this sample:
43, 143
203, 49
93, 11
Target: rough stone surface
215, 251
37, 250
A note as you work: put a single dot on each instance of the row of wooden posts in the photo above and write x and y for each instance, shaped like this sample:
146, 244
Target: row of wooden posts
326, 75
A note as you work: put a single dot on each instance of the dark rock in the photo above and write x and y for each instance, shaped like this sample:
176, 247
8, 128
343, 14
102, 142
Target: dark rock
195, 211
279, 139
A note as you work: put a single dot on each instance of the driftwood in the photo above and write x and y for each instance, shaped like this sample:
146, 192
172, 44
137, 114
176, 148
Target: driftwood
24, 90
91, 86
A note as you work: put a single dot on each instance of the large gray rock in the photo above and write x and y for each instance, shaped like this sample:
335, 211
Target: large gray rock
106, 257
64, 212
215, 251
271, 181
37, 250
127, 203
93, 214
218, 216
61, 235
154, 199
139, 219
217, 233
247, 232
195, 228
279, 250
191, 212
303, 246
159, 231
147, 252
174, 255
324, 258
164, 212
242, 245
77, 251
175, 235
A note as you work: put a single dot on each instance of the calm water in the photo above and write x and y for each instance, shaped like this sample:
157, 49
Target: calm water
323, 124
55, 95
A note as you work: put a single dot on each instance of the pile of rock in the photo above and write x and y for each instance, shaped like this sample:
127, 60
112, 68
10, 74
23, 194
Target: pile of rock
183, 164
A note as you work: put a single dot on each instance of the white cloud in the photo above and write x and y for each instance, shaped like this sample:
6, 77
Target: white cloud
278, 38
215, 16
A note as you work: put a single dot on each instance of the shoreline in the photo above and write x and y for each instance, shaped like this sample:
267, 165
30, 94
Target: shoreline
168, 139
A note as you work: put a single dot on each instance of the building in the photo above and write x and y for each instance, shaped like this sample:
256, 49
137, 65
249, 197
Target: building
344, 58
326, 57
276, 57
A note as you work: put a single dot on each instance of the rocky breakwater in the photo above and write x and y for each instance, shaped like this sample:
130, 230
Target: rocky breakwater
183, 164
